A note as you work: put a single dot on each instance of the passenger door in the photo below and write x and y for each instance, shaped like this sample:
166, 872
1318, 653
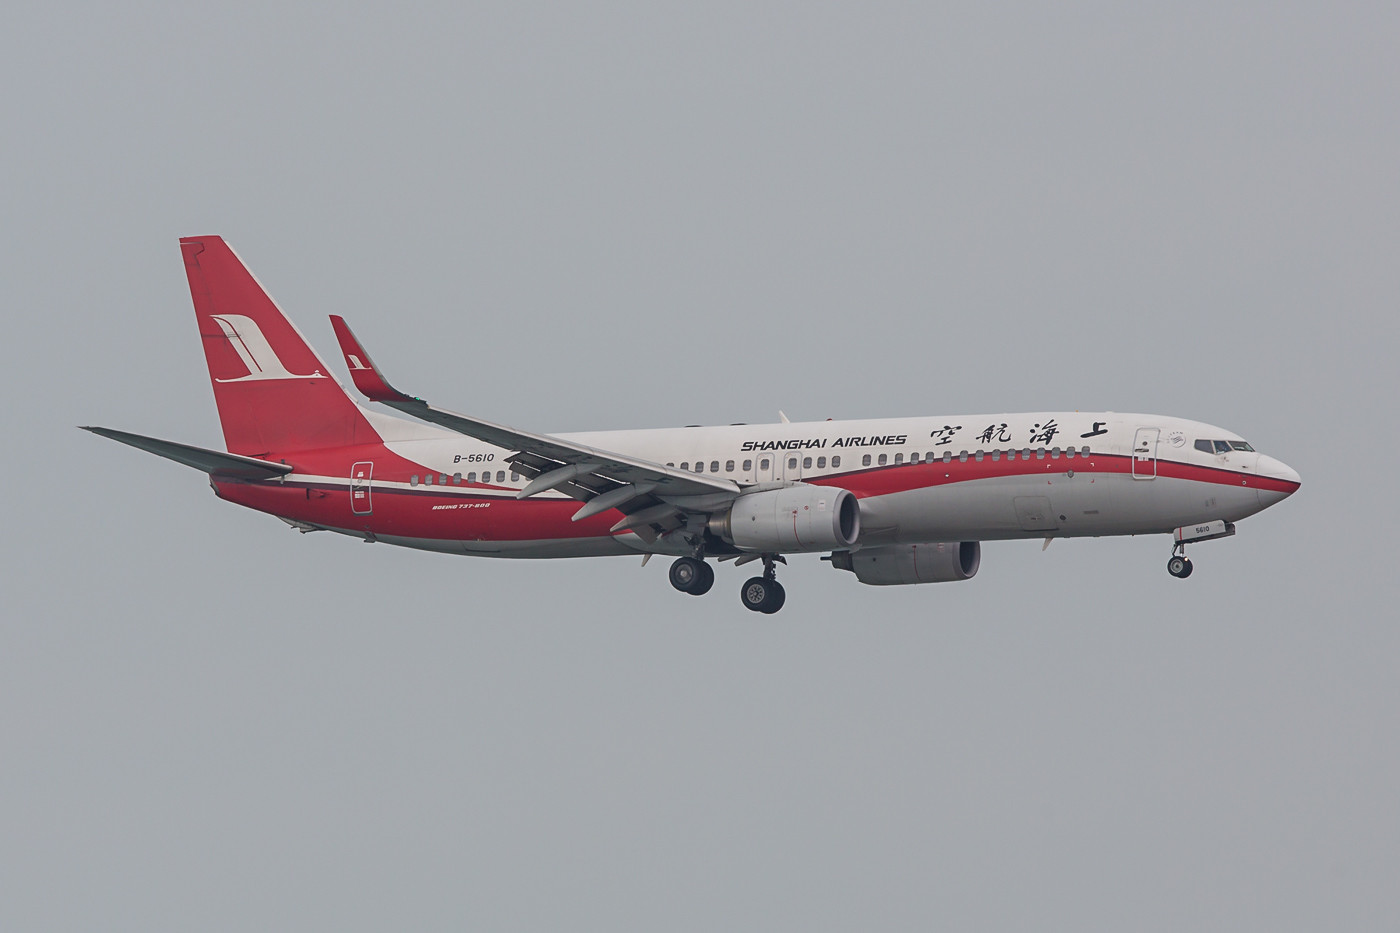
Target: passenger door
1145, 453
360, 475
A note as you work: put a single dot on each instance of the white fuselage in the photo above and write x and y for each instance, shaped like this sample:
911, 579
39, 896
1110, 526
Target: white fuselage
969, 477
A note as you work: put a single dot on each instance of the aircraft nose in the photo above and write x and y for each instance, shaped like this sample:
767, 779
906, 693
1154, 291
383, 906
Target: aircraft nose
1282, 480
1277, 469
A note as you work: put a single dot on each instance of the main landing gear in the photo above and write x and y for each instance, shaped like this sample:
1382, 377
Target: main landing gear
761, 594
692, 575
1180, 565
764, 594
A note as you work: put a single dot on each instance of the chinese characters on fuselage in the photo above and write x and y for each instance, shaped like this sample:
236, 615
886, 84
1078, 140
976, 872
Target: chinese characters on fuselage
1041, 433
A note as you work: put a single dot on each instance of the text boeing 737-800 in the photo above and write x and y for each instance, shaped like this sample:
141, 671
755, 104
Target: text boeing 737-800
895, 501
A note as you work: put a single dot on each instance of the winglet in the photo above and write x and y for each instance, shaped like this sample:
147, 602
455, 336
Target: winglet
367, 377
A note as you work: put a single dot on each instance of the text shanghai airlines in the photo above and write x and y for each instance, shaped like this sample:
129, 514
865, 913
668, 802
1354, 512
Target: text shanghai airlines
894, 501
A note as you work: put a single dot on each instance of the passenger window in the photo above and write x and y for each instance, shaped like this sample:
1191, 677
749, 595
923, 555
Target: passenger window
977, 456
1040, 453
1054, 453
729, 466
898, 459
1084, 451
792, 463
1025, 453
671, 464
1069, 451
699, 466
996, 455
763, 464
413, 480
821, 463
835, 462
685, 465
806, 463
500, 476
883, 459
714, 466
865, 461
471, 477
947, 456
748, 465
428, 480
456, 479
914, 457
514, 476
442, 479
962, 456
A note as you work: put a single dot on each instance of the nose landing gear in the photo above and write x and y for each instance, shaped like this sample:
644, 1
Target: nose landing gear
1180, 565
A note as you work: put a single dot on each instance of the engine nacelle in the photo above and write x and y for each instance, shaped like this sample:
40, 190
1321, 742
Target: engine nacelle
791, 519
899, 564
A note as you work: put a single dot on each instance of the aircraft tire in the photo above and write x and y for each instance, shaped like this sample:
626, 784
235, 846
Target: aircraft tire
754, 594
689, 575
1180, 567
776, 597
760, 595
704, 581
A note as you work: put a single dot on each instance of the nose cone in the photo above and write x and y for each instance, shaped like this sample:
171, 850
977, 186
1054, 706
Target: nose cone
1277, 480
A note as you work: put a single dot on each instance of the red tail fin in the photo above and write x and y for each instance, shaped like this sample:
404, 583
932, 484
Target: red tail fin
274, 393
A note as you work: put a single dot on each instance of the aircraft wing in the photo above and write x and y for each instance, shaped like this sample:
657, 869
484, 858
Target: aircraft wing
601, 478
213, 462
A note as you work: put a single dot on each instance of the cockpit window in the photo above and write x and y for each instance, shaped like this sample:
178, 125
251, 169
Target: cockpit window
1222, 447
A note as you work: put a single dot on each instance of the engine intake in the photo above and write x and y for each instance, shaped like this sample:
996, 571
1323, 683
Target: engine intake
901, 564
795, 518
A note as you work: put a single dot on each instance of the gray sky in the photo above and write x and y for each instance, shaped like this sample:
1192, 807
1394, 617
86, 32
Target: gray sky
628, 216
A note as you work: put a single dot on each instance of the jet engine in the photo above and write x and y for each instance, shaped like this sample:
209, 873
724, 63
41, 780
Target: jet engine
898, 564
791, 519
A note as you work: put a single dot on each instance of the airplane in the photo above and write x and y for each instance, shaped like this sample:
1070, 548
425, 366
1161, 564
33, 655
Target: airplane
894, 501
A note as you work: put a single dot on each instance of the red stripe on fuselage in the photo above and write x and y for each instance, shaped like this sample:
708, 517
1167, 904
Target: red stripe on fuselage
422, 514
886, 480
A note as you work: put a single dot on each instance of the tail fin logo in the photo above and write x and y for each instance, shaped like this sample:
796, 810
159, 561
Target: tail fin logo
252, 348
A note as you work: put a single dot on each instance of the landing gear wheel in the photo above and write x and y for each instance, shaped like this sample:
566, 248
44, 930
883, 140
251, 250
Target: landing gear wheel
761, 595
1180, 566
692, 575
707, 580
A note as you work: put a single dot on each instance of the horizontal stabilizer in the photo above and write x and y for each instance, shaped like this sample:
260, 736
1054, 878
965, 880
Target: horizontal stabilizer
213, 462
